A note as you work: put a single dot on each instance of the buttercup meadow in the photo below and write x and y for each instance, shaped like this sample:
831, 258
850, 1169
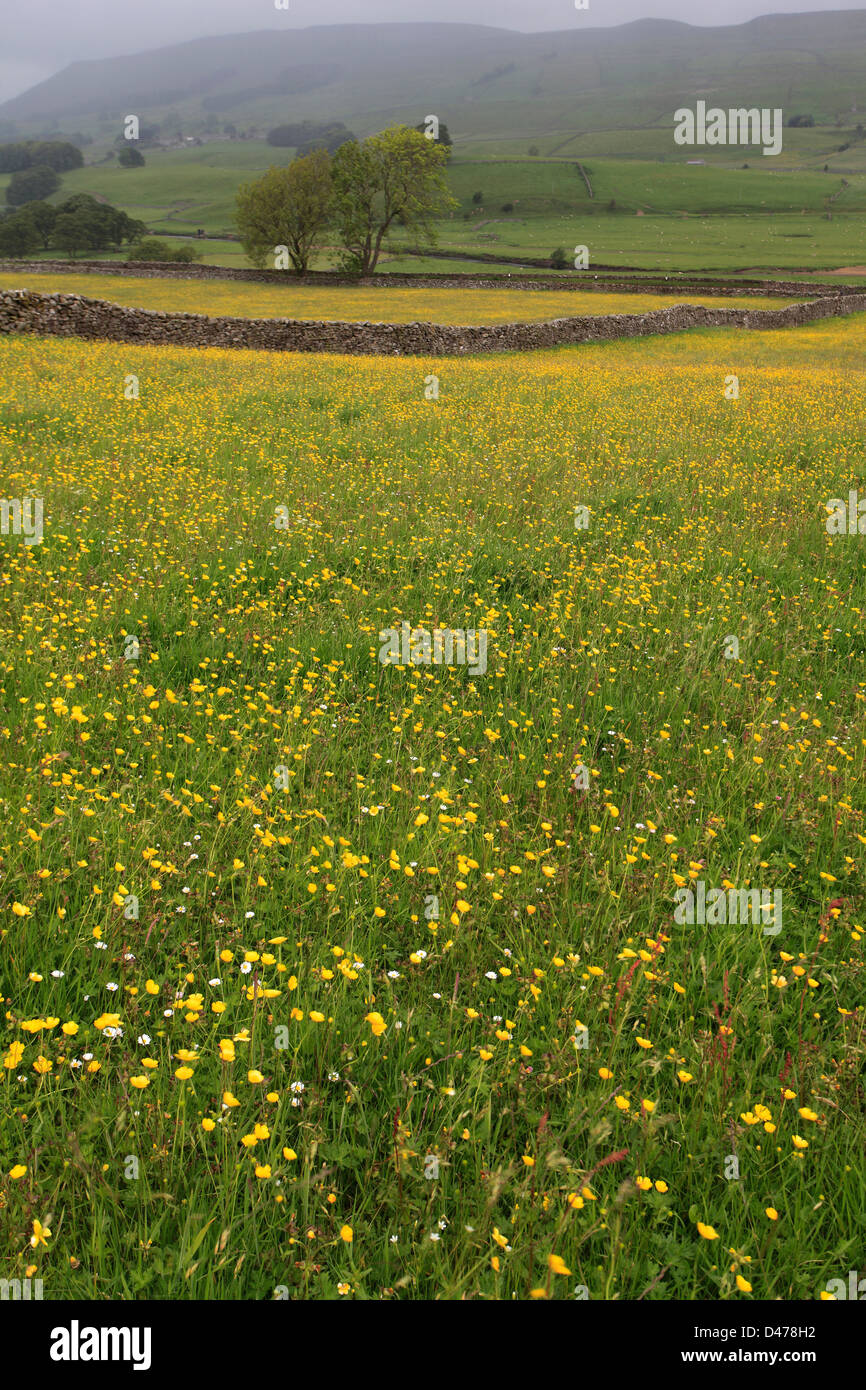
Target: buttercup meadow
321, 976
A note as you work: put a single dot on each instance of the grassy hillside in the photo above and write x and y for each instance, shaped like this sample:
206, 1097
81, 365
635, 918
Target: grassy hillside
197, 186
542, 186
488, 83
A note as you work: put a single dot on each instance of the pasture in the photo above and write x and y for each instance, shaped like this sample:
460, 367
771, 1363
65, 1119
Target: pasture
329, 979
399, 305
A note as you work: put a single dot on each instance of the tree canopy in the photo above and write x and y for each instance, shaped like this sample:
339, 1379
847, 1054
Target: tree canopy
19, 235
59, 155
306, 136
286, 207
83, 224
397, 174
26, 185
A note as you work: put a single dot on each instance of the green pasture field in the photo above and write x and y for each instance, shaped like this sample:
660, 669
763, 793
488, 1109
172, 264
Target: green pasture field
331, 977
693, 217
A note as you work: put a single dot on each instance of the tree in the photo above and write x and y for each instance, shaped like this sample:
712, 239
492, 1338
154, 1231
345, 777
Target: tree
59, 155
76, 231
83, 224
286, 207
110, 225
330, 139
395, 173
43, 216
27, 185
478, 199
14, 157
306, 136
130, 158
443, 138
18, 234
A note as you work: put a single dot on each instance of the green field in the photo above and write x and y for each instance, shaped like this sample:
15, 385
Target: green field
326, 978
366, 723
664, 216
672, 244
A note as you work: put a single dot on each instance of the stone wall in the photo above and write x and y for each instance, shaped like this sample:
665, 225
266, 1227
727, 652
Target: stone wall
579, 282
72, 315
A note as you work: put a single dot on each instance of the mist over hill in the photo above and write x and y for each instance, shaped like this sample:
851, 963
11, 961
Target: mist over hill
487, 82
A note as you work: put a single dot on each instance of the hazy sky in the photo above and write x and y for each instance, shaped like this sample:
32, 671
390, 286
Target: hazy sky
43, 36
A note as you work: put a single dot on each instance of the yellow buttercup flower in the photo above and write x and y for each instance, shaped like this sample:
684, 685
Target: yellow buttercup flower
40, 1236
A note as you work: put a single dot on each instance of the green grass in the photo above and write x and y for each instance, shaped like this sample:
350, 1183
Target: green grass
270, 792
691, 218
538, 186
668, 243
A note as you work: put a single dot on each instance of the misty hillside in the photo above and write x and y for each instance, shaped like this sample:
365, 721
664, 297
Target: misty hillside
485, 82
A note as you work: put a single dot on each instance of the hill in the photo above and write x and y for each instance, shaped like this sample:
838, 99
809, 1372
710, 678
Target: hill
492, 85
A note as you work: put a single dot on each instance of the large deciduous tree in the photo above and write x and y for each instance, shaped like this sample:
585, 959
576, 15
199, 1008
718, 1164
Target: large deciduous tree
14, 156
59, 155
28, 185
394, 175
130, 157
83, 224
43, 216
19, 235
286, 207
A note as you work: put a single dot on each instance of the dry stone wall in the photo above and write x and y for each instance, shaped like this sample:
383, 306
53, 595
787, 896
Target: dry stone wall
72, 315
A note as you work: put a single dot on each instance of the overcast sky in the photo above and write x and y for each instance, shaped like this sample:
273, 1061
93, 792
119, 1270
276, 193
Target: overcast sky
43, 36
